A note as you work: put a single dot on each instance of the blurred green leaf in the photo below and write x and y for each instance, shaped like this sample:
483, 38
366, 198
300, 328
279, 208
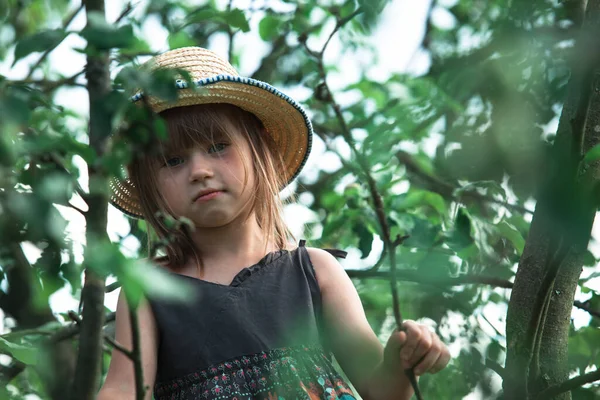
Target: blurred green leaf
512, 234
237, 19
142, 278
103, 35
592, 155
180, 39
26, 354
365, 239
40, 41
269, 27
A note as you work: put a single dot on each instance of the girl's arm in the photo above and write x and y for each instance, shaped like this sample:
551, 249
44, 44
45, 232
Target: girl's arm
375, 372
120, 380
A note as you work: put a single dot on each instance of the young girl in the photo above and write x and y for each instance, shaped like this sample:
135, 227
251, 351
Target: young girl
266, 319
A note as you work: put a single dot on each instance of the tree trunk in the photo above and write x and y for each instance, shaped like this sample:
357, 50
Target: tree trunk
89, 361
571, 184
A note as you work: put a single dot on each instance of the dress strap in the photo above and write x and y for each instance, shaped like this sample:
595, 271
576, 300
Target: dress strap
334, 252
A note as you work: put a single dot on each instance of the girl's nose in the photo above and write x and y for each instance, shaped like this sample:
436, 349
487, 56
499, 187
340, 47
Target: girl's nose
200, 166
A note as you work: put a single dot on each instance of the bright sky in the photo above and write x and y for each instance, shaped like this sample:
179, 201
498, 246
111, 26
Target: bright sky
397, 41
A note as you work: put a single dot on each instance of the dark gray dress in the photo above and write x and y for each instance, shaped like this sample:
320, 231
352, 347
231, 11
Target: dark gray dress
257, 338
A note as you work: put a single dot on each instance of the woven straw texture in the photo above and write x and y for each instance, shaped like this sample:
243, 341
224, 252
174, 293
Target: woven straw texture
284, 119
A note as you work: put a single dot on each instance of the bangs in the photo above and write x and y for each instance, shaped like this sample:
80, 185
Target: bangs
195, 125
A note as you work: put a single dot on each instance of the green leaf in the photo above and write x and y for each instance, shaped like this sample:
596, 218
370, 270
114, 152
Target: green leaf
237, 19
41, 41
103, 36
269, 27
180, 39
142, 277
57, 188
365, 239
512, 234
372, 9
436, 201
201, 15
27, 355
459, 237
592, 155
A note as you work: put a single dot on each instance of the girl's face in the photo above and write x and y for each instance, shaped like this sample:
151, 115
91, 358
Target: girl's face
209, 183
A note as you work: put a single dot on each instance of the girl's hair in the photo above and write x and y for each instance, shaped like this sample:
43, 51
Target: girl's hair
201, 124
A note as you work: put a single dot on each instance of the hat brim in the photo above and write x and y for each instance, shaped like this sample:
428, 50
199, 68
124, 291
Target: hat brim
283, 118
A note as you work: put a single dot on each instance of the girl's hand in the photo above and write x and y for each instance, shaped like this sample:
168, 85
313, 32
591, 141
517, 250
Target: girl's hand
415, 347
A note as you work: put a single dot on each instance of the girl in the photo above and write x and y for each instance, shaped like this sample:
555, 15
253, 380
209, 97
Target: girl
266, 319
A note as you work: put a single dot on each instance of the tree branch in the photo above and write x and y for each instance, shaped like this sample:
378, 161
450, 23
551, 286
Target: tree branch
586, 307
568, 385
411, 275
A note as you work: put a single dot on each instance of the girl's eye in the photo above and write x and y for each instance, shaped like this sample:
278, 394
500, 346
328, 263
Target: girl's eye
173, 161
217, 147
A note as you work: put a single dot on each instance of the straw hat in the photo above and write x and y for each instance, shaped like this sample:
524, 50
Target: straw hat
283, 118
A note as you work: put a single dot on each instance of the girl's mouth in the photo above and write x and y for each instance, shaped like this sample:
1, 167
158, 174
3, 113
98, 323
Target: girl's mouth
208, 196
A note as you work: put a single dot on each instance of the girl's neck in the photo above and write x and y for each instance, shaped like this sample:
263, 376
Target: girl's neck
228, 249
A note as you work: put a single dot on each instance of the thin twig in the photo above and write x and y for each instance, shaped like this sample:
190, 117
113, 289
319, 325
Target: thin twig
119, 347
389, 243
126, 11
46, 85
74, 207
339, 23
494, 366
112, 287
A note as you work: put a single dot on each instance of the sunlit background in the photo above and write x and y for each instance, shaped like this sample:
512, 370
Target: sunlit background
396, 38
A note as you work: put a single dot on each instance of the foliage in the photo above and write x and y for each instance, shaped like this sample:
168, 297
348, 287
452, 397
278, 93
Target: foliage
458, 154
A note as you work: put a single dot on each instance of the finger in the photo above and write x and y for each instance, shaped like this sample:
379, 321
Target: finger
429, 361
442, 361
393, 347
413, 337
423, 347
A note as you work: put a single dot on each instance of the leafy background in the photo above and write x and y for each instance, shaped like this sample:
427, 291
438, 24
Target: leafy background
456, 137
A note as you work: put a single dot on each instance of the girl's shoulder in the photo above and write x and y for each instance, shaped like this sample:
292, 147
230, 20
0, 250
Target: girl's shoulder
327, 268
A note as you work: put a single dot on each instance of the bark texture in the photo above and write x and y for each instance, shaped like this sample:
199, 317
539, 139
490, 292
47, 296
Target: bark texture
564, 215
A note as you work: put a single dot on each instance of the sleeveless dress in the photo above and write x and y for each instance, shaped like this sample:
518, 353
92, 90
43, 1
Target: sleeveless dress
256, 338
